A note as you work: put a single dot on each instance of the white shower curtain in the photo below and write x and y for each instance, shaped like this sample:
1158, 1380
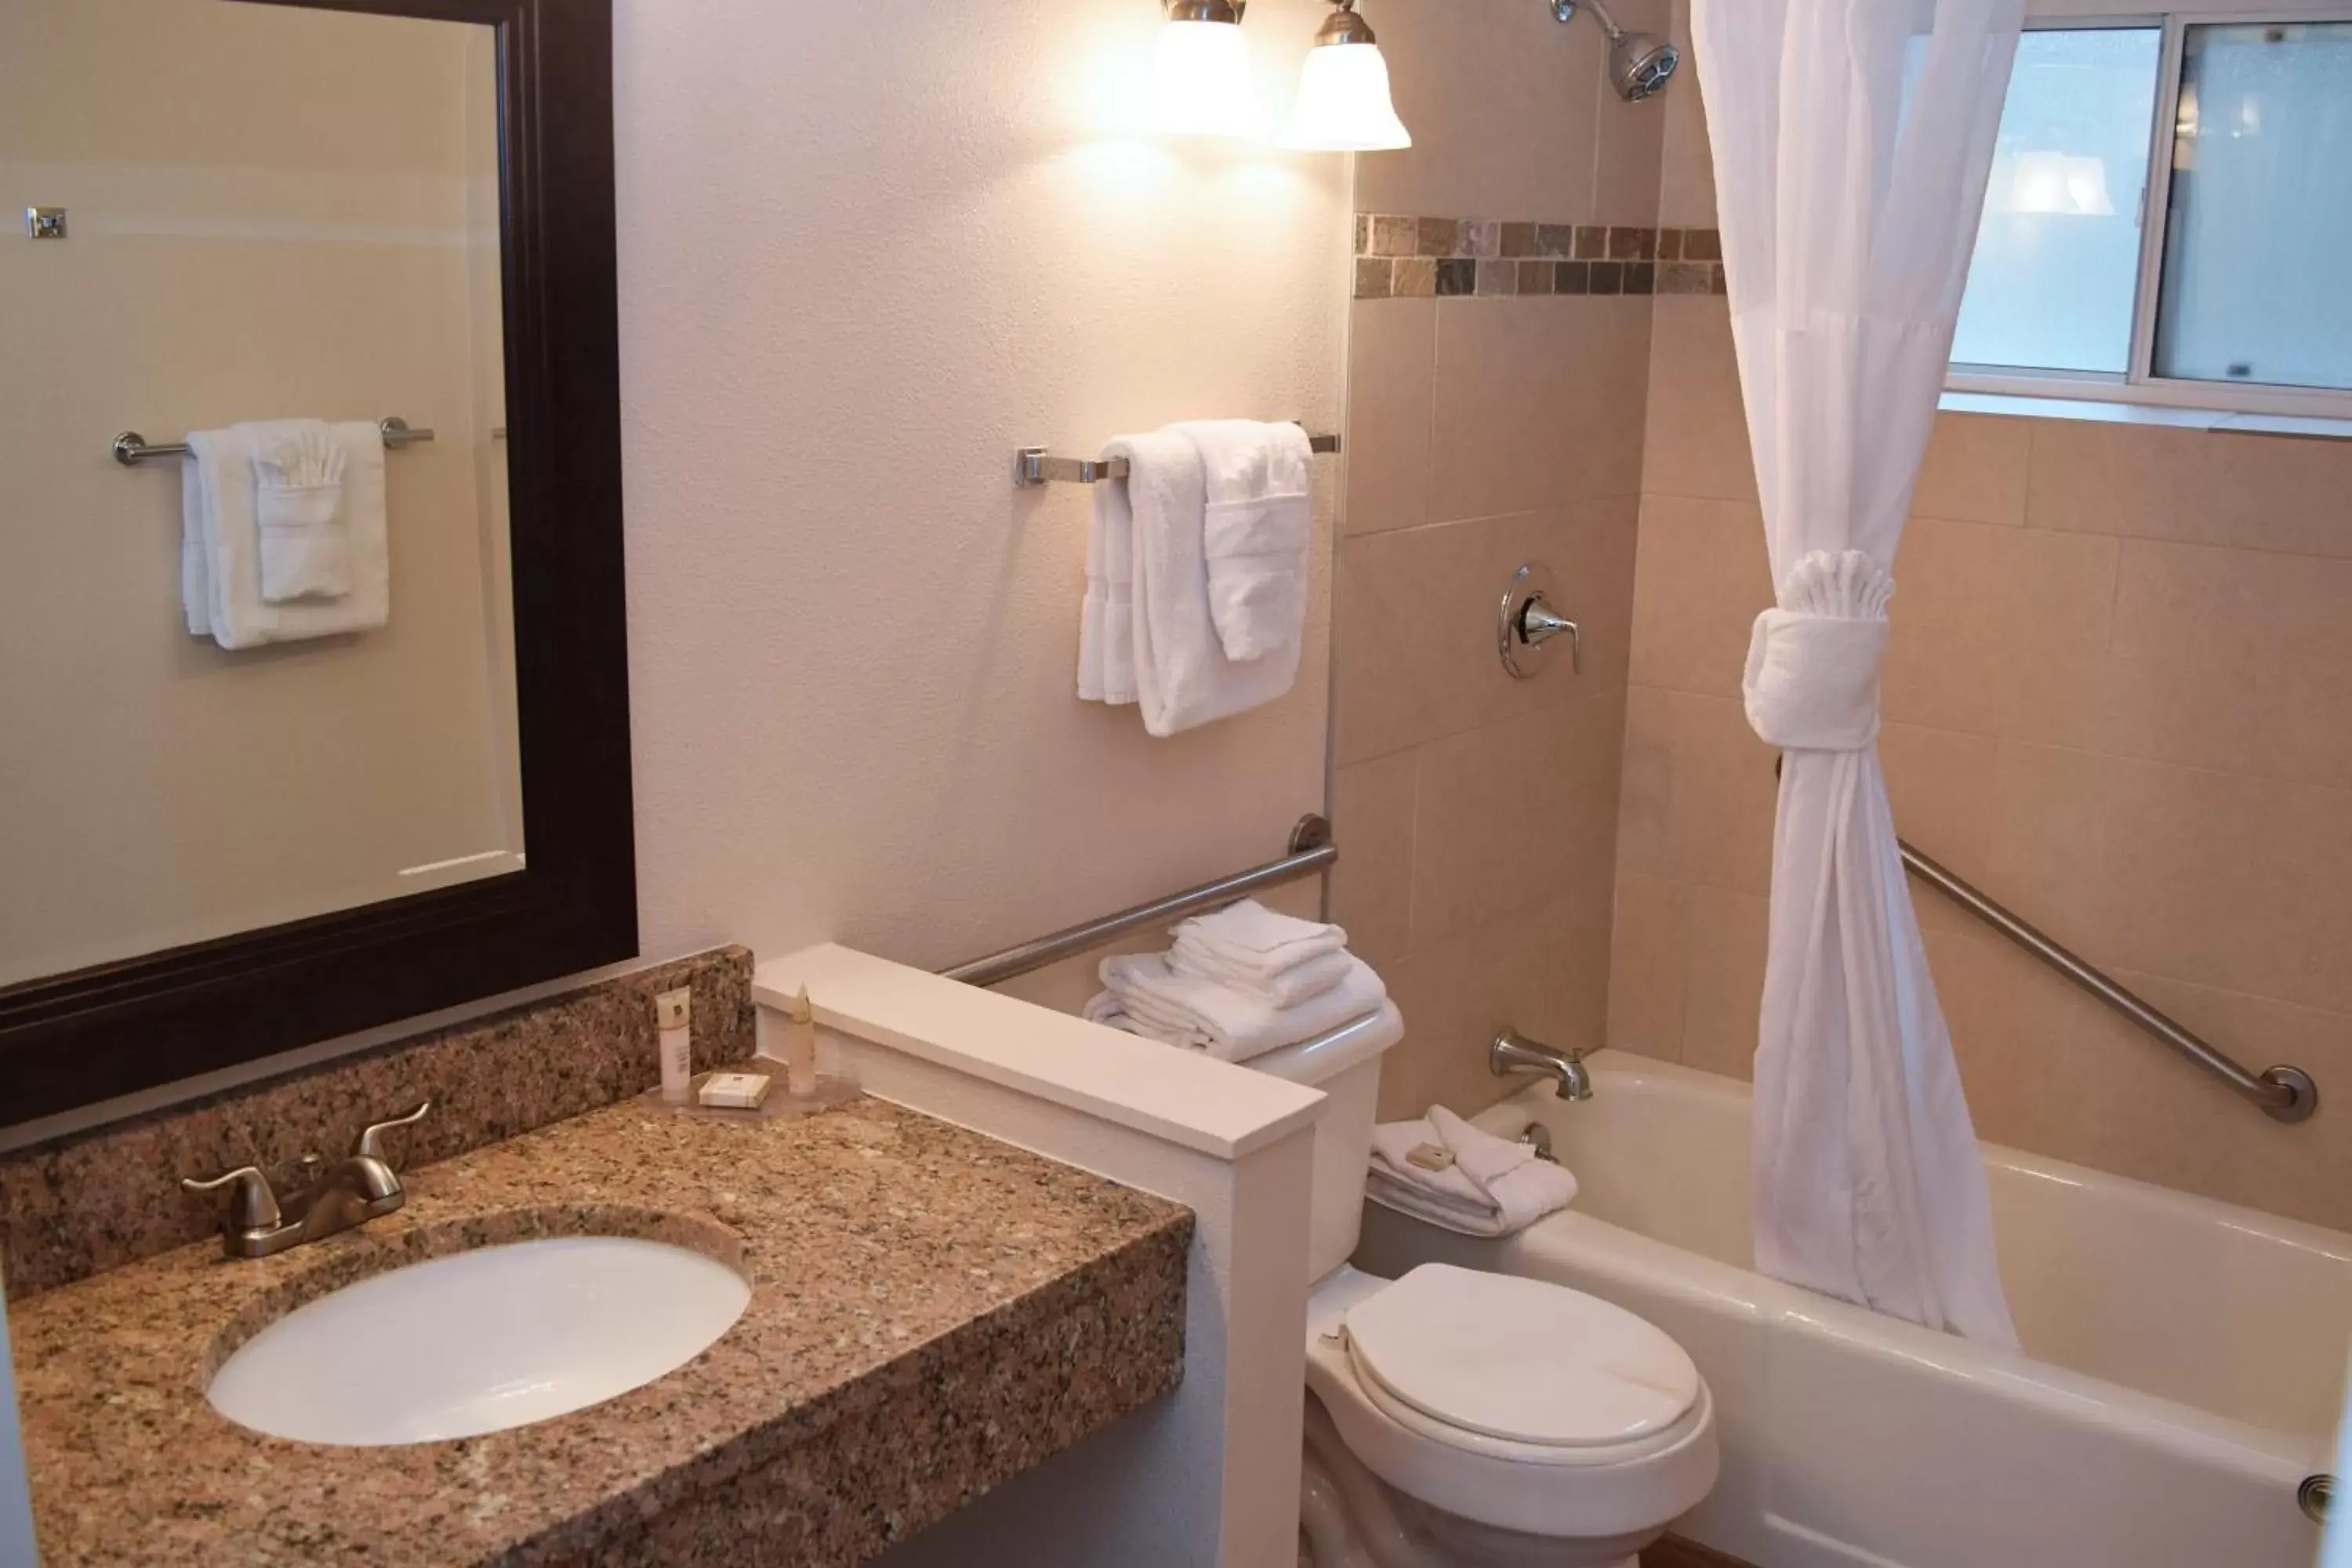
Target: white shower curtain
1851, 141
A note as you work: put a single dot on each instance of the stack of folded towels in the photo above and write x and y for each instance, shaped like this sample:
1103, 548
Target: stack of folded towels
1443, 1170
1238, 983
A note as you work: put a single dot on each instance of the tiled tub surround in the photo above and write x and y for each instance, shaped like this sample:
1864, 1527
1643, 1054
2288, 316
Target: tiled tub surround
103, 1198
1400, 257
931, 1313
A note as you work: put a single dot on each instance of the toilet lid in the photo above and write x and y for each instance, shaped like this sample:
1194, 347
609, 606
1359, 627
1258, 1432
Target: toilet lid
1520, 1360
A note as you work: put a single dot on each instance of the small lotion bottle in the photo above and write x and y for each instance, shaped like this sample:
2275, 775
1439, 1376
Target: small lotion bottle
800, 1049
673, 1014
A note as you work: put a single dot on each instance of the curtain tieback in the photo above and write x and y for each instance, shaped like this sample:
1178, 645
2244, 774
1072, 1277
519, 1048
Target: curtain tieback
1812, 662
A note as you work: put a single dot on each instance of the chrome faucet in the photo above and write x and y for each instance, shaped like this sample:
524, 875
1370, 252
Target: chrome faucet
352, 1192
1511, 1052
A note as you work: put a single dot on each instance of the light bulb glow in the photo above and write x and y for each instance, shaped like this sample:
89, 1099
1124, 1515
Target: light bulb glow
1200, 81
1344, 104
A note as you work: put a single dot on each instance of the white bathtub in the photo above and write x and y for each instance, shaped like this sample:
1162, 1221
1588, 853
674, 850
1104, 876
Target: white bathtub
2184, 1358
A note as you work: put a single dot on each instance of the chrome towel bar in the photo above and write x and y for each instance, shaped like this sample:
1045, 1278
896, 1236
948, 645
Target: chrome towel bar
131, 449
1032, 465
1311, 854
2286, 1094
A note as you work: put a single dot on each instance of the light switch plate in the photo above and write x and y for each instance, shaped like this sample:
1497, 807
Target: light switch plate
45, 223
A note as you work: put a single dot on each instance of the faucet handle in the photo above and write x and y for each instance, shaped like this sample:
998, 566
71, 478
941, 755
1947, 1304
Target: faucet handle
370, 1146
252, 1206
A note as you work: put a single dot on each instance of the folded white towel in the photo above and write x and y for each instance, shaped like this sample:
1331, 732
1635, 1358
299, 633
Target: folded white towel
1156, 644
1257, 532
1144, 996
1482, 1185
1301, 981
1253, 949
305, 551
220, 546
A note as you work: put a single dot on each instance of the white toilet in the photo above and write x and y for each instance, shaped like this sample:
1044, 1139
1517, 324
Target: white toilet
1463, 1420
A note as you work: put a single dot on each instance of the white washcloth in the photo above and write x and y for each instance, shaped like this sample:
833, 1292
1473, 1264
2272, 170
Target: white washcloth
1253, 949
1155, 644
1490, 1185
1144, 996
220, 546
1257, 532
305, 550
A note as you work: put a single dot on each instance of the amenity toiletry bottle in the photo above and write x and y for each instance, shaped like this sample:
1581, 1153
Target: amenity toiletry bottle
800, 1049
673, 1011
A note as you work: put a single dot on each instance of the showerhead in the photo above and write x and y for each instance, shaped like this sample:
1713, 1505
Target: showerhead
1639, 63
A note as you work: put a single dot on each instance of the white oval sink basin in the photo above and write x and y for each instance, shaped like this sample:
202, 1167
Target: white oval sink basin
479, 1341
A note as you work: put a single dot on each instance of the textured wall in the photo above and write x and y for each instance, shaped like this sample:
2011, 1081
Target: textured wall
865, 252
2119, 700
1477, 813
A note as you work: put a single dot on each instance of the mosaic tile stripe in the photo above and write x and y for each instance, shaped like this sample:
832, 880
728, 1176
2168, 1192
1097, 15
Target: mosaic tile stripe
1400, 257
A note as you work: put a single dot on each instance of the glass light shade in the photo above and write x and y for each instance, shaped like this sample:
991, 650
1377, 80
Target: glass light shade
1344, 104
1200, 81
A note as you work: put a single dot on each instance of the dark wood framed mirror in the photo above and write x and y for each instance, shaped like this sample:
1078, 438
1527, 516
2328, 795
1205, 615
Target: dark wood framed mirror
563, 897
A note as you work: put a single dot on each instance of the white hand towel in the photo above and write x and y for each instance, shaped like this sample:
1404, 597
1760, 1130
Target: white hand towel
220, 566
1204, 1014
1148, 532
1485, 1186
305, 551
1287, 987
1257, 533
1249, 936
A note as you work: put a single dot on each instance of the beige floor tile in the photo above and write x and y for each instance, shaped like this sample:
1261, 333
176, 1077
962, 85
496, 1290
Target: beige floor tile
1371, 887
1700, 577
1538, 402
1391, 388
1646, 975
1696, 432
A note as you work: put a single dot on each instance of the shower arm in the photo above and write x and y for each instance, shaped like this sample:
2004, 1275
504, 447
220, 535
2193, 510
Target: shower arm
1565, 11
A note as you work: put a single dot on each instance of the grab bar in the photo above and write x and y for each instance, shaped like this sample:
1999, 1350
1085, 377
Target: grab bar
2286, 1094
1311, 853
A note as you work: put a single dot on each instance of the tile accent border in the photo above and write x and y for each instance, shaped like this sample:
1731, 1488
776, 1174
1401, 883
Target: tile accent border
93, 1200
1417, 257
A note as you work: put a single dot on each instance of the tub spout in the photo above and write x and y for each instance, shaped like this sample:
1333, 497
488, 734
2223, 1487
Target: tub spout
1512, 1052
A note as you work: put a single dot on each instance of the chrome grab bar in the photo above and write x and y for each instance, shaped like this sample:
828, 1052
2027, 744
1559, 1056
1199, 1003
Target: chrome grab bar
2284, 1093
1311, 854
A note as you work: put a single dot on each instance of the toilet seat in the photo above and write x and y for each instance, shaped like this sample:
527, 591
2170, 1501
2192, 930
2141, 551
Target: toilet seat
1451, 1346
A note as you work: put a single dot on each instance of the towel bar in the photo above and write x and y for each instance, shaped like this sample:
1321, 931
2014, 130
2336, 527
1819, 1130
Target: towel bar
1032, 465
1311, 854
131, 449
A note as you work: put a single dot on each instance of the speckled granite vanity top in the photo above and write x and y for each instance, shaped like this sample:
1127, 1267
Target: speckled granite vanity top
931, 1313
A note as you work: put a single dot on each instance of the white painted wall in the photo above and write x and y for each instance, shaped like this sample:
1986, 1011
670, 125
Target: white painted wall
866, 250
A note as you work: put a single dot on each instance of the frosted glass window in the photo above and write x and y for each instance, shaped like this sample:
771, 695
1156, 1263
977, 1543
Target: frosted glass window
2057, 260
2258, 247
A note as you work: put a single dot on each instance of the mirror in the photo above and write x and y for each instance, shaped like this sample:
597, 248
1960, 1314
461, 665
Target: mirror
295, 658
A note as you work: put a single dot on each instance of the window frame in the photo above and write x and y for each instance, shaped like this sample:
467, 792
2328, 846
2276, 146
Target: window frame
2139, 384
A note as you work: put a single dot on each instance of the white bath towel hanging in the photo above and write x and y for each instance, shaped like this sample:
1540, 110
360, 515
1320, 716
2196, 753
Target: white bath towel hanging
1146, 634
304, 545
220, 554
1257, 532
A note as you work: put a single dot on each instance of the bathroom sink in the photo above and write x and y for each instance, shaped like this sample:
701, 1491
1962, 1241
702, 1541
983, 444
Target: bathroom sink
479, 1341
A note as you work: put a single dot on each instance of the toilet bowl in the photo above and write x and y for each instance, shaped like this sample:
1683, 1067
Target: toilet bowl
1459, 1419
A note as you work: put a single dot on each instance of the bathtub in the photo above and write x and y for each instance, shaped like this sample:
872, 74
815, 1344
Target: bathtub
2183, 1366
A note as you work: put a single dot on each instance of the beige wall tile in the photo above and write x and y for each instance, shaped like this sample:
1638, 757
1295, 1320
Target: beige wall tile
1538, 402
1995, 627
1975, 469
1392, 381
1510, 816
2015, 1025
2162, 482
1940, 785
1699, 793
1646, 973
2232, 882
1371, 887
1699, 579
2245, 607
1629, 142
1686, 175
1724, 938
1696, 433
1500, 100
1416, 640
1543, 971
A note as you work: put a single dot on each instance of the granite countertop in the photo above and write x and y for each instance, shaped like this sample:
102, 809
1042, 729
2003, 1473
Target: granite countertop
931, 1313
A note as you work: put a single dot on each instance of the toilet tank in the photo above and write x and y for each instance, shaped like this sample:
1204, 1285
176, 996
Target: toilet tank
1345, 1064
